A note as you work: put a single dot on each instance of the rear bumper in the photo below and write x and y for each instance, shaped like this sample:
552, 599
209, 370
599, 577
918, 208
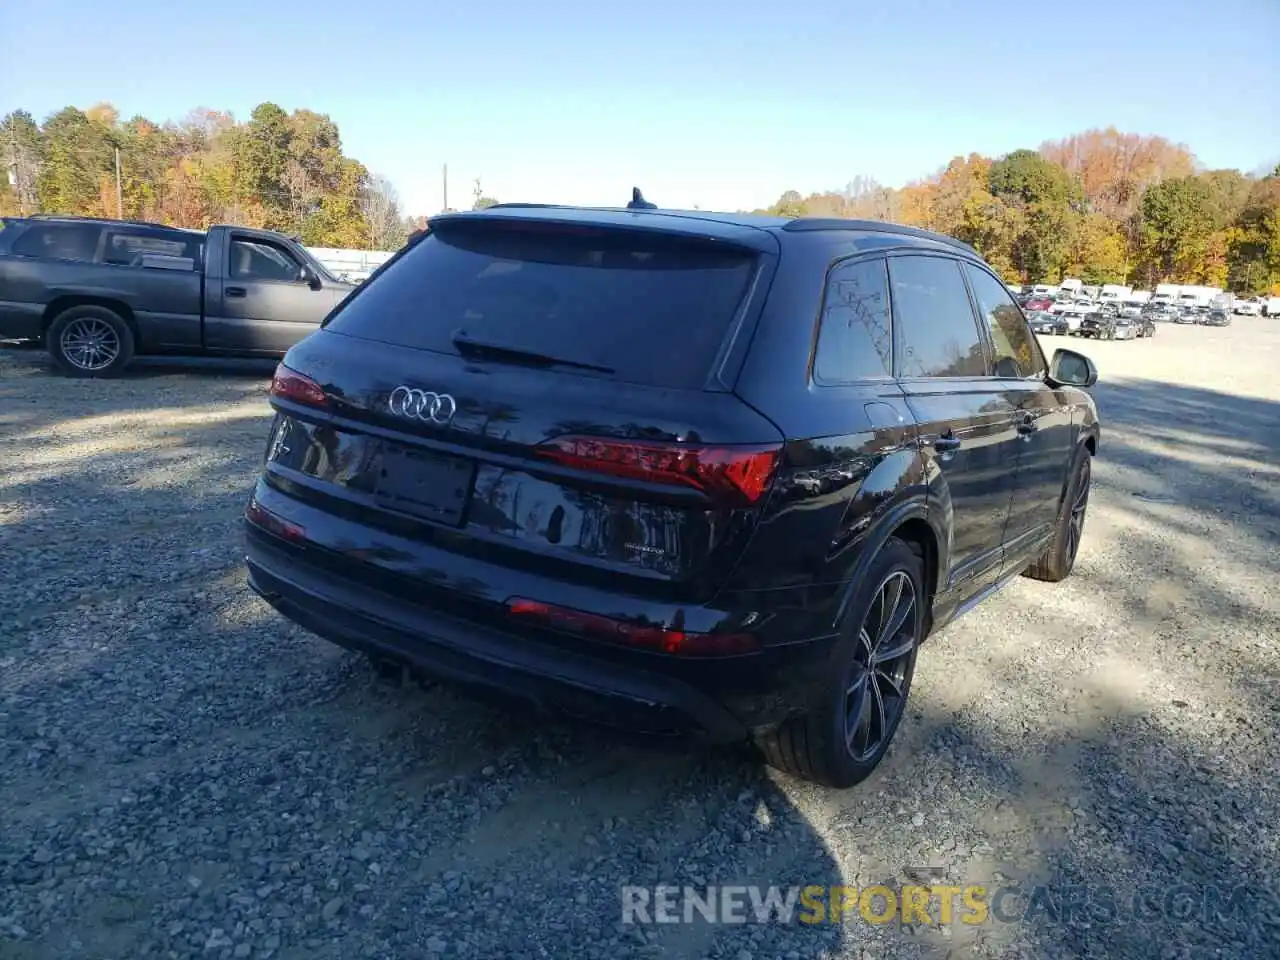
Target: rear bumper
514, 666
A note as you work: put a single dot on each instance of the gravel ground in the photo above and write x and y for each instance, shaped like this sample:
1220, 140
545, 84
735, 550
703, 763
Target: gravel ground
183, 774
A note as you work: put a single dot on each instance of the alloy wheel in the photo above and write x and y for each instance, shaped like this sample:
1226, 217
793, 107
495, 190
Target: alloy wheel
89, 343
876, 695
1075, 523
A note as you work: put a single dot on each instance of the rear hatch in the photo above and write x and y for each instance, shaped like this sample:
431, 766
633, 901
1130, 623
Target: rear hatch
543, 396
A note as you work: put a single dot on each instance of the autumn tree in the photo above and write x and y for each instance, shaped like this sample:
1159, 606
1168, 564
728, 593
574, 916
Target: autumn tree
1047, 198
78, 157
261, 157
1099, 252
278, 170
381, 208
790, 204
23, 147
1114, 168
1254, 257
1177, 221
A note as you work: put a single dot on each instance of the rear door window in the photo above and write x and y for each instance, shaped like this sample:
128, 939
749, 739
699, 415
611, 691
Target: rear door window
937, 331
59, 241
127, 246
651, 308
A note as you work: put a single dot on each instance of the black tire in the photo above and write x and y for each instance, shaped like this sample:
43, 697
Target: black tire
1059, 558
90, 324
818, 745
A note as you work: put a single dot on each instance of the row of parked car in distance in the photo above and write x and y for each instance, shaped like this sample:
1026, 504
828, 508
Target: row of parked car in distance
1074, 315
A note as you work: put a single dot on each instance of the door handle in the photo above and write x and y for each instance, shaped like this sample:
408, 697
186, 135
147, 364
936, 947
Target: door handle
947, 443
234, 291
1027, 426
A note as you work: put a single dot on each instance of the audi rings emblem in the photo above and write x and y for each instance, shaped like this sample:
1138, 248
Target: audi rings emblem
437, 408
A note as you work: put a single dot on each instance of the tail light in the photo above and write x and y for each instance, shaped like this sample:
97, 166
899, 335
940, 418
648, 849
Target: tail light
628, 633
737, 475
263, 518
291, 385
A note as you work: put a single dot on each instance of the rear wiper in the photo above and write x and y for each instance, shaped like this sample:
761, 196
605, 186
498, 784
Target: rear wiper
496, 351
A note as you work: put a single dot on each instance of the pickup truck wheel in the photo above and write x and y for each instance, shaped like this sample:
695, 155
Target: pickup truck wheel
1059, 558
848, 728
90, 341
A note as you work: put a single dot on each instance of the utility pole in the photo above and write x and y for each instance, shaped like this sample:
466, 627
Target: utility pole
445, 172
119, 194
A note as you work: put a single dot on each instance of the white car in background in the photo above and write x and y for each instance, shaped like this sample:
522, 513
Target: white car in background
1074, 314
1248, 308
1077, 305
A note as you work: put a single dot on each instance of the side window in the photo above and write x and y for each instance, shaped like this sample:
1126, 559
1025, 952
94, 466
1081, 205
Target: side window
855, 341
254, 259
127, 247
59, 241
1017, 353
937, 332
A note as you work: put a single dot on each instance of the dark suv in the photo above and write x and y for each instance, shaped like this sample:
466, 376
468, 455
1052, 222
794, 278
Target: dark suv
679, 473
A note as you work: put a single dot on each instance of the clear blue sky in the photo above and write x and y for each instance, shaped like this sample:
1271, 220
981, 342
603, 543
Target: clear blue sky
708, 102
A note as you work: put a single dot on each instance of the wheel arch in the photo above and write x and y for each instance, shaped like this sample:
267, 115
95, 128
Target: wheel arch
61, 304
911, 522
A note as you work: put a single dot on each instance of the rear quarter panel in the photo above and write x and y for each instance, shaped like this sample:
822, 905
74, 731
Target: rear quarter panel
851, 462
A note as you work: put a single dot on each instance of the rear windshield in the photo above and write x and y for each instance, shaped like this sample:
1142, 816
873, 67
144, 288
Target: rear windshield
652, 308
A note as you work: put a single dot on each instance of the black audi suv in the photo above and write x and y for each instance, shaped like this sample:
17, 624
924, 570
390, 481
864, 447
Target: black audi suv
687, 474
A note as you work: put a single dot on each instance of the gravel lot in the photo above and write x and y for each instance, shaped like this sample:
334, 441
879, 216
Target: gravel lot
184, 774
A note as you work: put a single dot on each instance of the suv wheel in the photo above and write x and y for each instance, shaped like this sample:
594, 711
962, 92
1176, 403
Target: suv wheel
847, 730
1059, 557
90, 341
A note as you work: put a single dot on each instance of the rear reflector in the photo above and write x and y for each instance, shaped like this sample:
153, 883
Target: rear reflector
737, 475
263, 518
630, 634
290, 385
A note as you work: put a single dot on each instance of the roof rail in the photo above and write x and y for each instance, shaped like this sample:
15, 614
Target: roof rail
133, 223
526, 206
878, 226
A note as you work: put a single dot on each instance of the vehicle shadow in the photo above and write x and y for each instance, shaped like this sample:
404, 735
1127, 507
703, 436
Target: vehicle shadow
32, 354
231, 772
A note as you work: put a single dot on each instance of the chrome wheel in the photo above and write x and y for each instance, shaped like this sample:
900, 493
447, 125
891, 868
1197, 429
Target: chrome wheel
1075, 523
89, 343
876, 695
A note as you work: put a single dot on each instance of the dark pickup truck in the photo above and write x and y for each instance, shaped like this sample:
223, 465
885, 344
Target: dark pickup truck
99, 292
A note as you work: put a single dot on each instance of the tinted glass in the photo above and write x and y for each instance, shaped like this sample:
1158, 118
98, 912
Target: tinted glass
127, 247
59, 241
855, 341
937, 333
652, 308
1016, 352
260, 260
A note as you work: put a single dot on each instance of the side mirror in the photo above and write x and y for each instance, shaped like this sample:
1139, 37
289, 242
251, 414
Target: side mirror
308, 276
1071, 369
